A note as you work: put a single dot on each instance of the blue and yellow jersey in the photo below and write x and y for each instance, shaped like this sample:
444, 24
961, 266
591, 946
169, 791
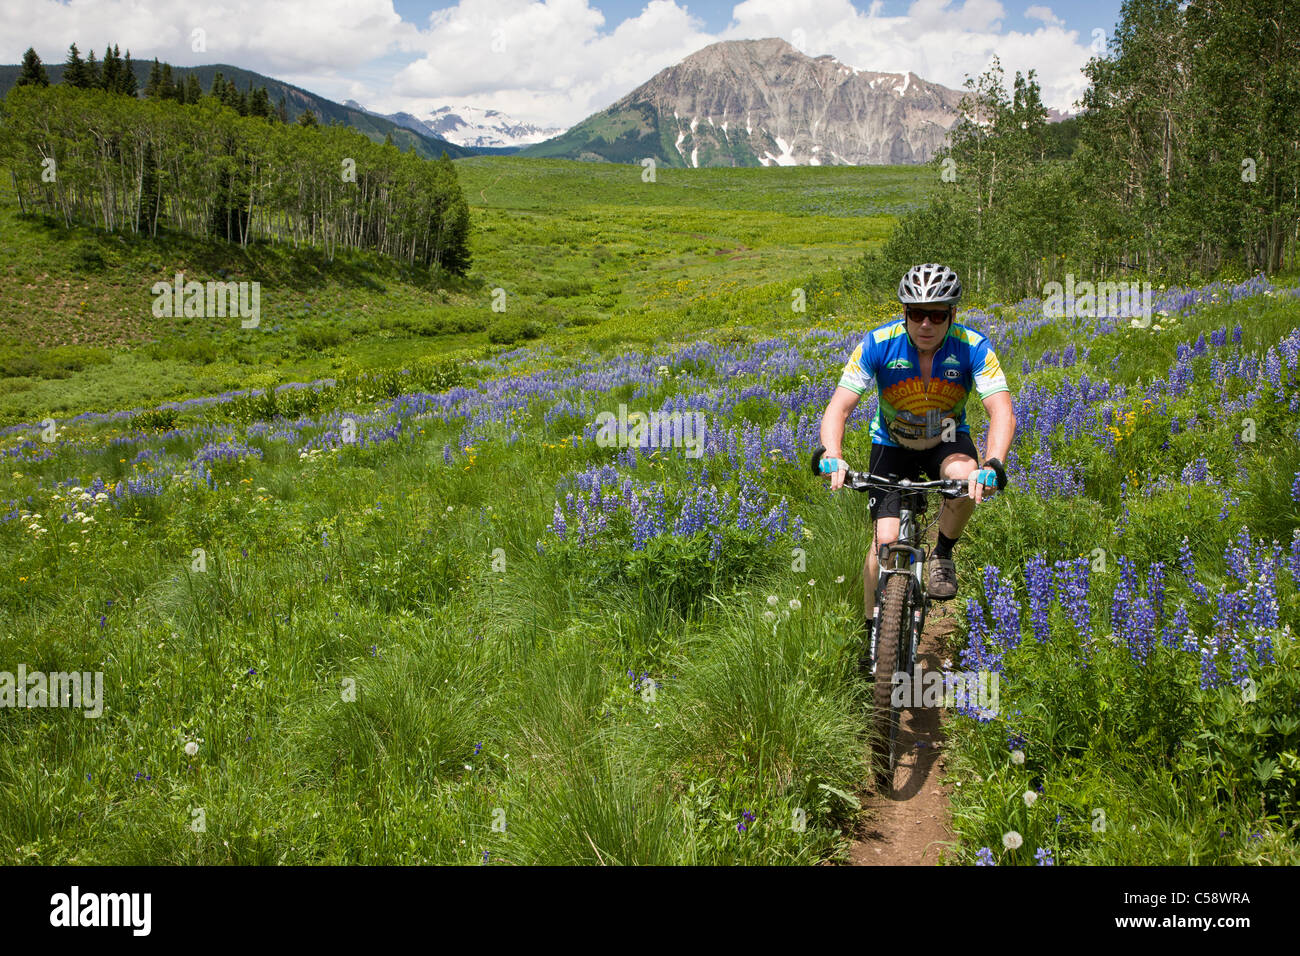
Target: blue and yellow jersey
912, 412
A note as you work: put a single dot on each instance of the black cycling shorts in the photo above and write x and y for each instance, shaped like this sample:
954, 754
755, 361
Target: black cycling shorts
896, 463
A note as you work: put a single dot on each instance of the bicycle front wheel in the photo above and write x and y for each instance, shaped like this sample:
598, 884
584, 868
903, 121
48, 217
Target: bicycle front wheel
890, 655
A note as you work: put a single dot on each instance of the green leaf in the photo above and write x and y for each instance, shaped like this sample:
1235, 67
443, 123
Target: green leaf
1266, 769
848, 798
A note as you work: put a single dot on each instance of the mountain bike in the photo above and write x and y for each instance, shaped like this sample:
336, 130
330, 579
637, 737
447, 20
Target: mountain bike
902, 601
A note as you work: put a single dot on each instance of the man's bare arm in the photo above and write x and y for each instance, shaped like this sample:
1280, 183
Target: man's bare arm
834, 419
1002, 426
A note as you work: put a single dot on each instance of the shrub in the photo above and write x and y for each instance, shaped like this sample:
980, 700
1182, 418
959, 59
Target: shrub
155, 419
509, 331
87, 258
322, 338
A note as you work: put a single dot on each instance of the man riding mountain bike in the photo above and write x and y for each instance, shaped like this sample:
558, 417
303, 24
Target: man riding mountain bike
924, 366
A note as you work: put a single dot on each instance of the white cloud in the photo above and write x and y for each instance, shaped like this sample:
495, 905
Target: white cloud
547, 56
278, 36
1044, 14
552, 62
938, 40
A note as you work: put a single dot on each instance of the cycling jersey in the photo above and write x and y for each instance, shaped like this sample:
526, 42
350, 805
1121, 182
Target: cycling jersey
912, 413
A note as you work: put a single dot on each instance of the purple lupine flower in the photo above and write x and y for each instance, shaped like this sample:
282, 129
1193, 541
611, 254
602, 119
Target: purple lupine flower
1209, 667
1176, 628
1237, 556
1044, 857
980, 653
1156, 588
1240, 665
1039, 580
1003, 606
985, 857
777, 520
1266, 610
1273, 372
1122, 599
1188, 565
1228, 615
1072, 584
1141, 630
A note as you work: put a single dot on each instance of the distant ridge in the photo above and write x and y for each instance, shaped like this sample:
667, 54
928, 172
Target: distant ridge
297, 101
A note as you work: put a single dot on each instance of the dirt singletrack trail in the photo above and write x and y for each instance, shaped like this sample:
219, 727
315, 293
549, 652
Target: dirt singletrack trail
910, 825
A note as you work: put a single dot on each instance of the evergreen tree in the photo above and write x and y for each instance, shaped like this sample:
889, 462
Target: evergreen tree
111, 74
74, 69
307, 118
192, 89
218, 88
259, 104
33, 71
282, 109
167, 89
128, 85
153, 87
94, 79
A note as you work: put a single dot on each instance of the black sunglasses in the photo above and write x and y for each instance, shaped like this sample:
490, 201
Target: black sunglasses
920, 316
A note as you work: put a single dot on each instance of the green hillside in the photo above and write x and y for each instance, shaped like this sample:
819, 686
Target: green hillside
297, 101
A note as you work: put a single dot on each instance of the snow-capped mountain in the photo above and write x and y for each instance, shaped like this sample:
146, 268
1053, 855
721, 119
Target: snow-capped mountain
762, 102
472, 126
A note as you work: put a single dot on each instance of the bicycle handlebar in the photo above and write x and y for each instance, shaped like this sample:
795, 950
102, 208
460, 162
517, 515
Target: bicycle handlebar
864, 481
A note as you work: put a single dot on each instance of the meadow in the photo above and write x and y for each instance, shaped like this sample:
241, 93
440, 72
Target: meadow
399, 605
587, 254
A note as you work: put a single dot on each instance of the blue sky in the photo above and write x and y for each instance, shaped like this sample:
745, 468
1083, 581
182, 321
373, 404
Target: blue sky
554, 62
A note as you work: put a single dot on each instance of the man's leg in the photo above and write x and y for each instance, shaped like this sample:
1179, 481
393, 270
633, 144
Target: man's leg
955, 512
941, 573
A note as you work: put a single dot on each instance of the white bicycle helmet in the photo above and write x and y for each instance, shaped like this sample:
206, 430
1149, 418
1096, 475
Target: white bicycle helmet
930, 284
